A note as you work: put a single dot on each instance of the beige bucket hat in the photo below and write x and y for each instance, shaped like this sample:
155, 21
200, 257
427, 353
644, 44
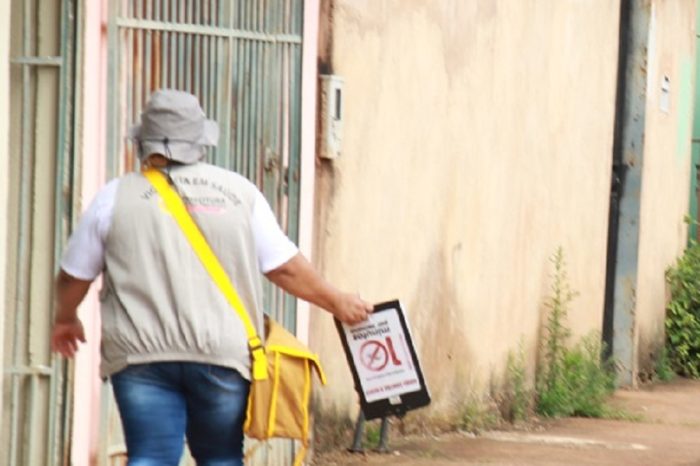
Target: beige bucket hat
173, 124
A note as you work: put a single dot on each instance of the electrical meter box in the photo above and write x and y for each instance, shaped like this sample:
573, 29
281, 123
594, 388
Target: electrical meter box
331, 116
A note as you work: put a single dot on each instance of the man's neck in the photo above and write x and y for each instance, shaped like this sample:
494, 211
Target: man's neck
157, 161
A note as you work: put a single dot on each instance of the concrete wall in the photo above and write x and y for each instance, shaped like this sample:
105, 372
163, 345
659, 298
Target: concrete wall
478, 139
667, 164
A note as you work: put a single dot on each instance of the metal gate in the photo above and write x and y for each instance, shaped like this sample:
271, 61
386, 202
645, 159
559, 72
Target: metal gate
694, 210
242, 58
35, 424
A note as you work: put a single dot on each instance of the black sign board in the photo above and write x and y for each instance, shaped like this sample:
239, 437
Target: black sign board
384, 363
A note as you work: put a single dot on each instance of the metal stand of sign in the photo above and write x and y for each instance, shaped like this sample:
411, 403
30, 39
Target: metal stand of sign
384, 436
359, 433
383, 446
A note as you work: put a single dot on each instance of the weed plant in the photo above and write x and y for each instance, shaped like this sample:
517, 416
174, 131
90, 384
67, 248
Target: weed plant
683, 313
571, 381
476, 415
663, 370
518, 393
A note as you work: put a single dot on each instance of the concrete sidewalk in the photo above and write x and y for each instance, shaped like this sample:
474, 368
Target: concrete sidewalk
667, 434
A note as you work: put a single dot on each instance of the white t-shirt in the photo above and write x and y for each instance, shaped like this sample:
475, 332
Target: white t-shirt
84, 256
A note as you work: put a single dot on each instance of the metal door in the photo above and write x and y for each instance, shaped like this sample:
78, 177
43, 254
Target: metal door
242, 58
35, 424
694, 232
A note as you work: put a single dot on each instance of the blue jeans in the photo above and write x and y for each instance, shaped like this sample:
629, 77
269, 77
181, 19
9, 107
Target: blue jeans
162, 403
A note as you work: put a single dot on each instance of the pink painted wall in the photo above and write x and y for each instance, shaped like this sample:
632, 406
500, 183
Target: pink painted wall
308, 148
86, 414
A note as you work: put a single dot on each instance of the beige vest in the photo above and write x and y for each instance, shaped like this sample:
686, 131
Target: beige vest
158, 302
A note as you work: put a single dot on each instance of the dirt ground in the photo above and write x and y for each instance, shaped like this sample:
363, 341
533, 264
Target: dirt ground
666, 431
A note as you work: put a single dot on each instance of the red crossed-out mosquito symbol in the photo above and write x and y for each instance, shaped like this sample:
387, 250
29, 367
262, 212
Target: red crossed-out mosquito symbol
375, 355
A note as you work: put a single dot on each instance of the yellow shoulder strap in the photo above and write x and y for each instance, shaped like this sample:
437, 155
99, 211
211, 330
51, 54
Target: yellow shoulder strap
173, 202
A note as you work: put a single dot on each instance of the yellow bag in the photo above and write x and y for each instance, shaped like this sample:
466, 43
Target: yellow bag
278, 403
278, 406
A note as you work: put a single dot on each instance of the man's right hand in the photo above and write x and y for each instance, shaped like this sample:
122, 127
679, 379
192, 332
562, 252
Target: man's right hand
351, 309
65, 336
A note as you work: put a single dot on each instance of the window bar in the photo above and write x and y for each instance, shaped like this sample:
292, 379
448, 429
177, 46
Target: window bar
237, 23
146, 61
128, 94
229, 65
137, 84
205, 63
187, 63
209, 53
165, 48
198, 69
157, 57
58, 403
247, 98
24, 224
172, 83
